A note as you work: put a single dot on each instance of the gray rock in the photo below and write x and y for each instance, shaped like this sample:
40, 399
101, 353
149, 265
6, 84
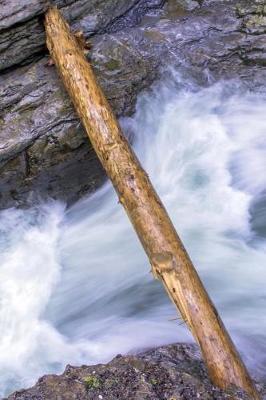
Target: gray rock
18, 12
43, 147
21, 24
39, 132
42, 142
187, 4
173, 372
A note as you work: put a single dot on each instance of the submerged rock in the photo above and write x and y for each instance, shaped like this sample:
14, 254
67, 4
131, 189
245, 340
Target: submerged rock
173, 372
44, 150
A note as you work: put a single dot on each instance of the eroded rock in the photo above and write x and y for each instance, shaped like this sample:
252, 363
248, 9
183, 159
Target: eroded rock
173, 372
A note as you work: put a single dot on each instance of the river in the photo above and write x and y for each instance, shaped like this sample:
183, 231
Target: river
75, 284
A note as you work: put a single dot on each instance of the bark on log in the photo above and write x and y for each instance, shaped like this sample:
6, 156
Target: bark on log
169, 260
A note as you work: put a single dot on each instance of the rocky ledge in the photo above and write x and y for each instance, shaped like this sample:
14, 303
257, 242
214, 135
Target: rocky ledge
43, 148
173, 372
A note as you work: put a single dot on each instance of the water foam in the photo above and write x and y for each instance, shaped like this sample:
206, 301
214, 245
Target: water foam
75, 285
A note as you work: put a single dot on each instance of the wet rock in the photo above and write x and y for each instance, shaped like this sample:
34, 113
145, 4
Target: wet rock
40, 133
21, 25
254, 17
18, 12
173, 372
43, 146
188, 4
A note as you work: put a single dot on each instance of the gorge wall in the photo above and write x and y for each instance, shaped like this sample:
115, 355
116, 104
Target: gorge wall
43, 149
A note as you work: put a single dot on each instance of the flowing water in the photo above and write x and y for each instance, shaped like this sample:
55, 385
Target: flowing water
75, 285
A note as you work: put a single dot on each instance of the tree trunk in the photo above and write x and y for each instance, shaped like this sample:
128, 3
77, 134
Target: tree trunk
169, 260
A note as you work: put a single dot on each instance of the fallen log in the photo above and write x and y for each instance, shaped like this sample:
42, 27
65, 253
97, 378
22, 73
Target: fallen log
169, 260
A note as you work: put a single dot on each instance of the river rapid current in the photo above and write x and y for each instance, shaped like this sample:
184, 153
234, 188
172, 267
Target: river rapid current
75, 284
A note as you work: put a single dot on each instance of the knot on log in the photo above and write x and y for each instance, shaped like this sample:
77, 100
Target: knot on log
163, 263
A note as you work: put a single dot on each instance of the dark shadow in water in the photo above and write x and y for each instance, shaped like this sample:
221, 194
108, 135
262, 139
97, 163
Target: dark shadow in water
258, 216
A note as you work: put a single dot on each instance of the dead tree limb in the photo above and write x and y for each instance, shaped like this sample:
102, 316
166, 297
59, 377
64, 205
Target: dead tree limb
169, 260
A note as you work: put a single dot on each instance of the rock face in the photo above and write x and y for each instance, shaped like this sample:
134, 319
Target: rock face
172, 372
43, 148
21, 22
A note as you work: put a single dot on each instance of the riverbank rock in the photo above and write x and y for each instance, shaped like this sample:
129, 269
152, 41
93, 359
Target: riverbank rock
21, 22
173, 372
44, 151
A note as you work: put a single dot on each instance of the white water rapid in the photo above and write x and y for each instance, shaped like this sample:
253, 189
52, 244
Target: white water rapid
75, 285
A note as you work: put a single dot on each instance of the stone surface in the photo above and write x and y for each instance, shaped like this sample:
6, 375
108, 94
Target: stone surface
39, 135
173, 372
43, 147
21, 24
